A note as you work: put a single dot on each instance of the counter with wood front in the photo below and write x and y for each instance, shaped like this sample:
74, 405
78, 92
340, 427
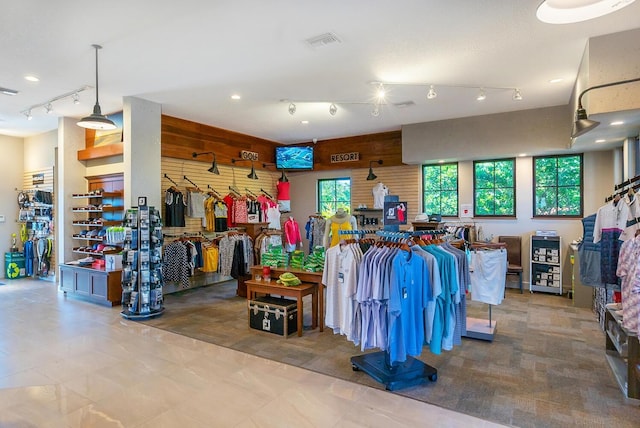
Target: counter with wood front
305, 276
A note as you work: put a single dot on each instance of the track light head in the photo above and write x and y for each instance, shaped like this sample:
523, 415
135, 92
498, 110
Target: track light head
517, 96
376, 111
481, 95
432, 93
76, 98
28, 115
48, 108
292, 109
333, 109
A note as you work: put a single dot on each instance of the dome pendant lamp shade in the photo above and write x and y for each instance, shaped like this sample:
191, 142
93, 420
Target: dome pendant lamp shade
97, 120
214, 165
371, 175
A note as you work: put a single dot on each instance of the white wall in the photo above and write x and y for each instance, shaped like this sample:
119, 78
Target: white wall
11, 165
598, 184
40, 151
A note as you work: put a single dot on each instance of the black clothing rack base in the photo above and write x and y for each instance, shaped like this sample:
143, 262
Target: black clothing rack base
412, 372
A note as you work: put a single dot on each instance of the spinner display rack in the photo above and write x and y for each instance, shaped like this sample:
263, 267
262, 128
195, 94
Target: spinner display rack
142, 263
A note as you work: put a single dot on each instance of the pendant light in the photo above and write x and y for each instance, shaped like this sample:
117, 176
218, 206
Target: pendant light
97, 120
371, 175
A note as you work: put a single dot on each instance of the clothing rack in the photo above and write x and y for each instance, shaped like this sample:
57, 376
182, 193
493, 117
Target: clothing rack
250, 192
359, 232
477, 328
212, 190
169, 178
234, 191
627, 182
186, 178
378, 365
266, 193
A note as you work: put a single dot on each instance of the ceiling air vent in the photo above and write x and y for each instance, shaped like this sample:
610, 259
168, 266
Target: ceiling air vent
323, 40
404, 104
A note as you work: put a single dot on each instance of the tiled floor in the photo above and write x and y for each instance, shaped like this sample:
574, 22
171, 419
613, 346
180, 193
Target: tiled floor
68, 363
545, 368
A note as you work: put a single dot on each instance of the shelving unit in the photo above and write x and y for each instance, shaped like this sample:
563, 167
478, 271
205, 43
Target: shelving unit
623, 354
546, 264
104, 209
142, 263
92, 280
369, 218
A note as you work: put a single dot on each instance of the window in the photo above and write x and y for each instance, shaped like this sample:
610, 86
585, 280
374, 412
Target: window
333, 194
557, 184
440, 189
494, 188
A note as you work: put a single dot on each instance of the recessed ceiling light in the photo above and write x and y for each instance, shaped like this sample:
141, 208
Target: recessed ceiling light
31, 78
556, 80
304, 122
522, 155
441, 161
616, 123
235, 97
600, 141
567, 12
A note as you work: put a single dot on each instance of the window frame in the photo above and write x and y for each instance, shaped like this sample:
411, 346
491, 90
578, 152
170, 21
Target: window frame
534, 186
514, 187
318, 193
457, 188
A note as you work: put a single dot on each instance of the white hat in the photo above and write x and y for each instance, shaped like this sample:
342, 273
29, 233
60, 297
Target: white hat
422, 217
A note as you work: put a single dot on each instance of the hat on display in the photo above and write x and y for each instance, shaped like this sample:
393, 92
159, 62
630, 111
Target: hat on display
422, 217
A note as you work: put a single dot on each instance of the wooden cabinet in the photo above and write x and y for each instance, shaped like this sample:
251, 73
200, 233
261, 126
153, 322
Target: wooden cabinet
95, 285
623, 353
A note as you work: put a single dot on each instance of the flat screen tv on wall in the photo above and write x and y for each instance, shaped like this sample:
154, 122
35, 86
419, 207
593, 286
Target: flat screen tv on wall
294, 157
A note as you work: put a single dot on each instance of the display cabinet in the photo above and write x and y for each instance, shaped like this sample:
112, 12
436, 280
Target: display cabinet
623, 353
91, 219
546, 264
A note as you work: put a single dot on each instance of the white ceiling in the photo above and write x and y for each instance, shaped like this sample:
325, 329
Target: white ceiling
191, 56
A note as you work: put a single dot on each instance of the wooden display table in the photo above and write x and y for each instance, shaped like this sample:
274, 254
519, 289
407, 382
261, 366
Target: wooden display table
305, 276
298, 291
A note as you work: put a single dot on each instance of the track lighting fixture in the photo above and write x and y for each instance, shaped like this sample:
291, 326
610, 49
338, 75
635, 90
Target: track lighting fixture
482, 95
583, 124
252, 175
381, 92
97, 120
292, 109
432, 93
376, 110
214, 165
371, 175
517, 96
333, 109
48, 105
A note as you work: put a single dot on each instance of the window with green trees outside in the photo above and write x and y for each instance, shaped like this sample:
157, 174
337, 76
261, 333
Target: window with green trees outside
557, 185
494, 188
333, 193
440, 189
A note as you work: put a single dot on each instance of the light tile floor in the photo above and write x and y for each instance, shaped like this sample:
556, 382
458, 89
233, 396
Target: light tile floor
69, 363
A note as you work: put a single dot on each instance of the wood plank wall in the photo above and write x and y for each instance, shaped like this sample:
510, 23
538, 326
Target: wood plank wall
403, 181
196, 171
48, 186
386, 146
180, 138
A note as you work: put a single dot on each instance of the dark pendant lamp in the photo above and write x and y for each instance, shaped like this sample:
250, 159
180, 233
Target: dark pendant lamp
214, 165
371, 175
97, 120
583, 124
252, 175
